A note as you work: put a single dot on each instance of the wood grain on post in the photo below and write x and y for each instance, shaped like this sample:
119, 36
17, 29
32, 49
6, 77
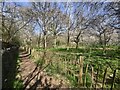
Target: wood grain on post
85, 82
81, 71
92, 76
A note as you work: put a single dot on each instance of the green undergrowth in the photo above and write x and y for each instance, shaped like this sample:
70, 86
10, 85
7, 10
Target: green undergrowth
18, 83
110, 53
92, 56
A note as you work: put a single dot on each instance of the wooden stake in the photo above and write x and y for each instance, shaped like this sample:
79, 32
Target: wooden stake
85, 83
113, 79
92, 75
97, 78
81, 71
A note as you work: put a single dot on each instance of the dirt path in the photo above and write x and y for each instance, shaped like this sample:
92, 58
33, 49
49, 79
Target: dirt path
34, 78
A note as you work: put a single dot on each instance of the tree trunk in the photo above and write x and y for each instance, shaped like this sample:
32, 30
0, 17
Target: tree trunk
39, 39
45, 41
104, 43
100, 40
77, 39
76, 45
68, 39
55, 41
81, 71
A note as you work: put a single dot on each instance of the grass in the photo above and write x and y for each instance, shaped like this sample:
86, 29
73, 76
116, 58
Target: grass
93, 52
73, 50
18, 84
88, 51
72, 80
95, 56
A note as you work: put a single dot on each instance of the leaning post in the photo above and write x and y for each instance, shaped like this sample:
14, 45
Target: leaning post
81, 71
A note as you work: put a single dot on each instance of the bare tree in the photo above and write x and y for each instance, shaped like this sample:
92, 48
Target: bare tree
12, 22
56, 24
80, 22
101, 29
42, 13
113, 9
69, 22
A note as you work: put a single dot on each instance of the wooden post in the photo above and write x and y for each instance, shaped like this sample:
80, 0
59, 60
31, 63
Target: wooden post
92, 76
105, 73
30, 51
33, 50
113, 79
81, 71
85, 75
26, 48
97, 78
